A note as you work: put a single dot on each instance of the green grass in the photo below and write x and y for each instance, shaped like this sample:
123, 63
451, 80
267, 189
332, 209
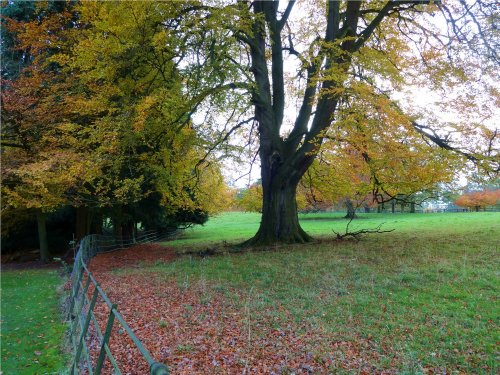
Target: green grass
238, 226
428, 292
32, 331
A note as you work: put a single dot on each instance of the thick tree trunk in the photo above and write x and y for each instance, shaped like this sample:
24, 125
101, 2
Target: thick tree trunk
351, 211
128, 230
393, 206
42, 236
117, 228
280, 221
412, 207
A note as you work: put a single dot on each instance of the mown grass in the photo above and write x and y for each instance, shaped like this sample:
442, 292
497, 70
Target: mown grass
234, 227
428, 292
32, 331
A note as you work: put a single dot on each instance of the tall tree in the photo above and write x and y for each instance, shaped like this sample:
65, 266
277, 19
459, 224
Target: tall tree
127, 59
39, 162
99, 120
352, 56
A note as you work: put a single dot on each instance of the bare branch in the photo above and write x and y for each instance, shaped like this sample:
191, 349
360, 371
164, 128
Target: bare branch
356, 234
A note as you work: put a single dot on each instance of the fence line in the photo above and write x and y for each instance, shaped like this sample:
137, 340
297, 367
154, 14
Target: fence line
84, 295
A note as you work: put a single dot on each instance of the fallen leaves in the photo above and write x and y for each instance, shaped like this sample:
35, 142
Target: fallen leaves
195, 329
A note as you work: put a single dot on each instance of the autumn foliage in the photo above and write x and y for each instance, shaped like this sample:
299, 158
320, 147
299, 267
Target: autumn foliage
127, 110
478, 200
111, 139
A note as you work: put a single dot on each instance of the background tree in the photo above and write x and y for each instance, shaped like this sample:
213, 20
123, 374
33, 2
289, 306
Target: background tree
39, 163
128, 60
478, 200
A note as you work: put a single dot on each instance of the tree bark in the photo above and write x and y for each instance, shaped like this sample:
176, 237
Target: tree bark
97, 223
117, 228
128, 230
351, 211
280, 221
42, 235
412, 207
285, 160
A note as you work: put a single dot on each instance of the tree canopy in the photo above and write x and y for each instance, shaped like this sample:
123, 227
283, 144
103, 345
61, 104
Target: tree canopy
111, 107
98, 120
329, 86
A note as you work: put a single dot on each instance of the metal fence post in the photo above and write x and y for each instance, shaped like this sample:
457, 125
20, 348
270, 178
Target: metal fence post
81, 313
86, 326
105, 339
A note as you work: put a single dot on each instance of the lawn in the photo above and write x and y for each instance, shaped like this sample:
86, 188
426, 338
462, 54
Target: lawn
234, 227
32, 329
423, 298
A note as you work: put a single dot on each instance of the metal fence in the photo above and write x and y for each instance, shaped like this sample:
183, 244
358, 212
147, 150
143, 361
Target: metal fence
84, 296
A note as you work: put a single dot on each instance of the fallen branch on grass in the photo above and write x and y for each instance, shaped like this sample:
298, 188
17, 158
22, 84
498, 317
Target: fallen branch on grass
356, 234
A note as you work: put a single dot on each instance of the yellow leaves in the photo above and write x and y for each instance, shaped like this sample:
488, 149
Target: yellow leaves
60, 58
142, 111
160, 39
39, 183
372, 142
251, 201
129, 190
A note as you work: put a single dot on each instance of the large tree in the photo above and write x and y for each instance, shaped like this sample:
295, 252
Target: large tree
97, 119
348, 60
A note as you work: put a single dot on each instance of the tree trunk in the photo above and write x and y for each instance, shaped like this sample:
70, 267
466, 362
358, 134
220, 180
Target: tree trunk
412, 207
83, 222
351, 211
280, 221
42, 236
393, 206
128, 230
117, 228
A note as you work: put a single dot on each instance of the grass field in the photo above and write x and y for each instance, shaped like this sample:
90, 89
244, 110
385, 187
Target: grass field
31, 331
422, 297
238, 226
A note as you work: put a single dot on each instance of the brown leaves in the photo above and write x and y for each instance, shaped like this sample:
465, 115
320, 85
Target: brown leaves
196, 329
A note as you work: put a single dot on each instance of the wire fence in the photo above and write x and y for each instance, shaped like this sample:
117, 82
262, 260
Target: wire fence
89, 336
